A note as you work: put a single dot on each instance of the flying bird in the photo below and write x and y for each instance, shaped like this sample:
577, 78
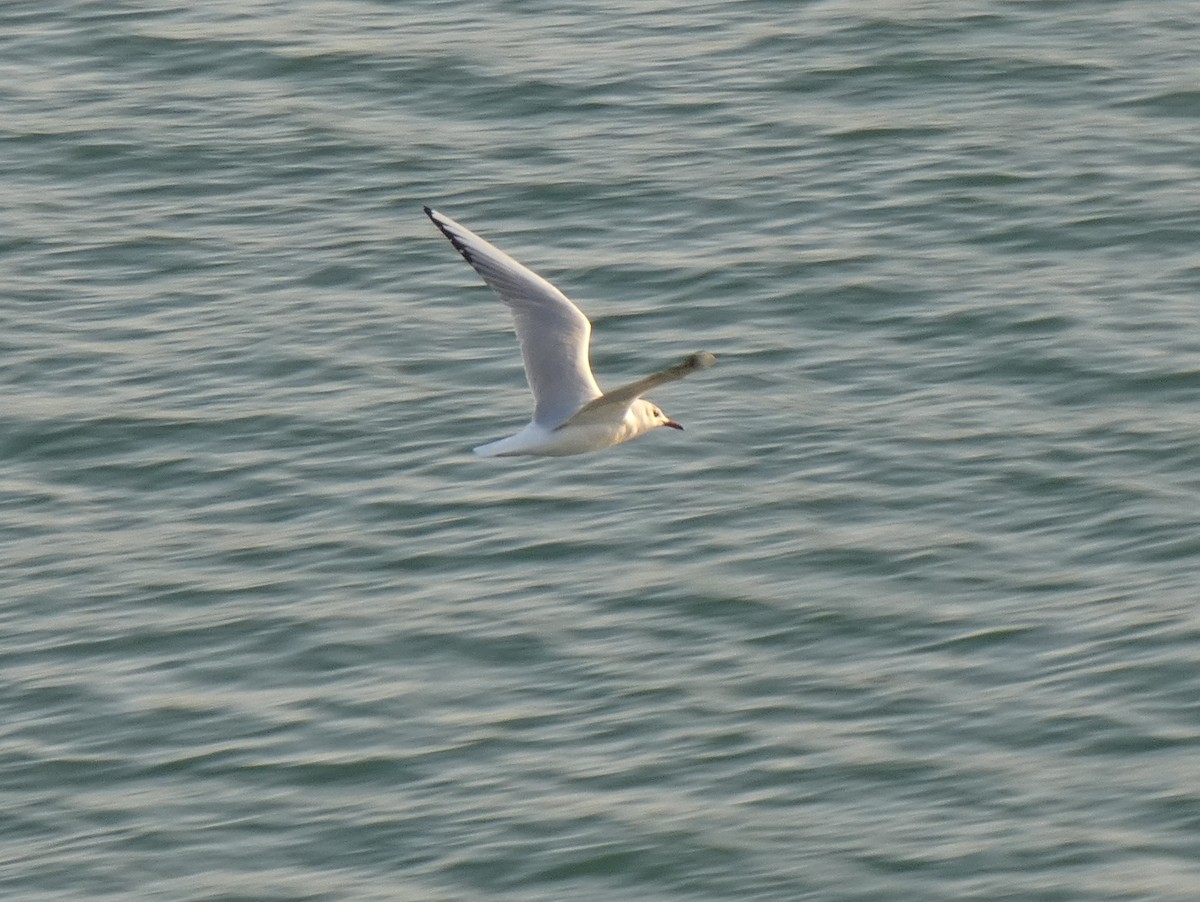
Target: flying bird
571, 415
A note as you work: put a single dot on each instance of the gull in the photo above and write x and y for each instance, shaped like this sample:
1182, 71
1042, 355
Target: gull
571, 415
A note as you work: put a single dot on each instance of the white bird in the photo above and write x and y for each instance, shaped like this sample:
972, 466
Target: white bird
570, 413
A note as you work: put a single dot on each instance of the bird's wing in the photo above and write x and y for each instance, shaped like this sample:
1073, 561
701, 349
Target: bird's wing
626, 394
553, 332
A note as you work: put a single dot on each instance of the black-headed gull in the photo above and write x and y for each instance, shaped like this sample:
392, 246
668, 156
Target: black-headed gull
570, 413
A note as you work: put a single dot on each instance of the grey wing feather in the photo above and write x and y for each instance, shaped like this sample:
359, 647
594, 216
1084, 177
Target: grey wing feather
626, 394
553, 332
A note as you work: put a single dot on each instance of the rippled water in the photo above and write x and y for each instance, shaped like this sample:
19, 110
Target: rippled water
909, 611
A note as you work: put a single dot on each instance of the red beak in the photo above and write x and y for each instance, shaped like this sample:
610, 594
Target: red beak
674, 425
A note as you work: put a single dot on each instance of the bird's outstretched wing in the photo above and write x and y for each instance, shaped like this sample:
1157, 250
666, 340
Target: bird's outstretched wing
626, 394
553, 332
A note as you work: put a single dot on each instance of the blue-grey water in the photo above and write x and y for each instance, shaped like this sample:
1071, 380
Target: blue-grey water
910, 611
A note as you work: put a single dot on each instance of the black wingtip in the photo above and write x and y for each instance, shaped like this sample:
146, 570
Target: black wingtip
454, 239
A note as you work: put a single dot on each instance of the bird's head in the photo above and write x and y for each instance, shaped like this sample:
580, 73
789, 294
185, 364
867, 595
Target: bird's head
650, 416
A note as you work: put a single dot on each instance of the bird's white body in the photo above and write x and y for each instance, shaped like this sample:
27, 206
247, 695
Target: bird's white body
571, 414
621, 425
